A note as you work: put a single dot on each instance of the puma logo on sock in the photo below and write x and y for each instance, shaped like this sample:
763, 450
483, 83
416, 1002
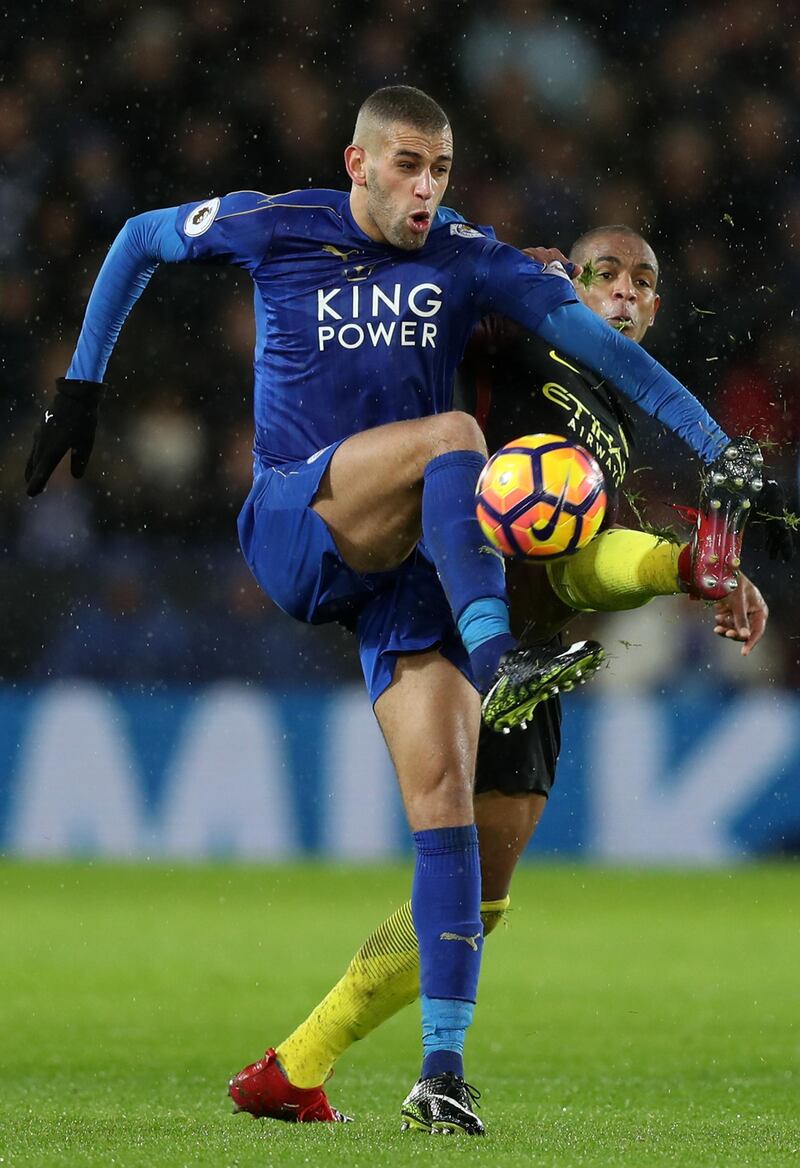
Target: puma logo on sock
471, 941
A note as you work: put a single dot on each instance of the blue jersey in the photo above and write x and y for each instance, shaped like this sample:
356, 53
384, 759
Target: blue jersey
350, 333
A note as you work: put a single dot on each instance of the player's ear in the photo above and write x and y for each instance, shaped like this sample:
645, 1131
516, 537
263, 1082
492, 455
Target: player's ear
355, 161
656, 303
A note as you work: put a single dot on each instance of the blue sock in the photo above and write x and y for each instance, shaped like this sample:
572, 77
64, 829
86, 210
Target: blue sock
483, 626
444, 1025
445, 904
469, 574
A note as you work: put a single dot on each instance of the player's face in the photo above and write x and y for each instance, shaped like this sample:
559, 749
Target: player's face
624, 291
406, 177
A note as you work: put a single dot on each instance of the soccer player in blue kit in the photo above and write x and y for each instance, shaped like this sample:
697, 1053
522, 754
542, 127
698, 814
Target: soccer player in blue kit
361, 509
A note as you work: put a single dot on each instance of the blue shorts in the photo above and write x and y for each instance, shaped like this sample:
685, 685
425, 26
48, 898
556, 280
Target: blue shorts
294, 558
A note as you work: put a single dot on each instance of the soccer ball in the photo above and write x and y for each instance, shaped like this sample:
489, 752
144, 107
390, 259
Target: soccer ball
541, 497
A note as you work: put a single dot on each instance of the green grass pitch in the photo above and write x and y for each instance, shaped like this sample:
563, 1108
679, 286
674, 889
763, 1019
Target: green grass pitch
625, 1018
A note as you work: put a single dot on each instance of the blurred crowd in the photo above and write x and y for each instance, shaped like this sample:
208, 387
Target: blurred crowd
679, 121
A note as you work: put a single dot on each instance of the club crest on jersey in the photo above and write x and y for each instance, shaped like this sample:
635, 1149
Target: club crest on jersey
201, 218
465, 231
358, 272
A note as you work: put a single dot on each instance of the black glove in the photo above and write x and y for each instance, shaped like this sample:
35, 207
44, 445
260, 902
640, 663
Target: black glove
68, 423
780, 538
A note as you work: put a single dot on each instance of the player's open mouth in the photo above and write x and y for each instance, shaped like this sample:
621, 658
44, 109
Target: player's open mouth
620, 322
419, 221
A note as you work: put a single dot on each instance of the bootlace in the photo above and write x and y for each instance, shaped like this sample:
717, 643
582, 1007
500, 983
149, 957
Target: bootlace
454, 1082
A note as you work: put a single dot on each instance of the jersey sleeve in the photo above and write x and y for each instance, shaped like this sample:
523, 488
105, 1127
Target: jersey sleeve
217, 230
236, 229
578, 332
516, 286
446, 216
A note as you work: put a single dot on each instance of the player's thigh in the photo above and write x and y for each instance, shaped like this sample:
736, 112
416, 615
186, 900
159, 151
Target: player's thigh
430, 717
505, 826
536, 612
371, 494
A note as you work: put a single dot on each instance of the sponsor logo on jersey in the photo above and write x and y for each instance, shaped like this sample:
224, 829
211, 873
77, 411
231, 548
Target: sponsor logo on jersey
610, 447
465, 231
353, 316
201, 218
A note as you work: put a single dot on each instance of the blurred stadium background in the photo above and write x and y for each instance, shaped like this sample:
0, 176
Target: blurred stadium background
153, 703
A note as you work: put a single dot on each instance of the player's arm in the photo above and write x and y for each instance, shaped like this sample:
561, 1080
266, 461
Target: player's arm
144, 242
168, 235
546, 304
577, 331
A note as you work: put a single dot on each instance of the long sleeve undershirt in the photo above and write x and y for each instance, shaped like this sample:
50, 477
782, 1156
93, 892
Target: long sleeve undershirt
145, 241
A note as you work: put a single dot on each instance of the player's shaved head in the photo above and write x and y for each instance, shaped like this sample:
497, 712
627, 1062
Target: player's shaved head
584, 245
397, 105
399, 163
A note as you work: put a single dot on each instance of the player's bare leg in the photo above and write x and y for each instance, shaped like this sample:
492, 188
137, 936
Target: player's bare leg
371, 494
429, 718
506, 824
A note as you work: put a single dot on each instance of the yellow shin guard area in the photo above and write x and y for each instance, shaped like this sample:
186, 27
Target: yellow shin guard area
619, 569
493, 912
381, 979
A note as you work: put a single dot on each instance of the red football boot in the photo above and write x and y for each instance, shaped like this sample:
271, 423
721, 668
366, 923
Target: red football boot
709, 567
264, 1091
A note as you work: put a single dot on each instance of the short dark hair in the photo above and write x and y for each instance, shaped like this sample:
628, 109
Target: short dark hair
583, 241
406, 104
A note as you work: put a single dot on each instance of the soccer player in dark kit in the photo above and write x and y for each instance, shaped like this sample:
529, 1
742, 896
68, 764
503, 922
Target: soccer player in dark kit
361, 508
516, 384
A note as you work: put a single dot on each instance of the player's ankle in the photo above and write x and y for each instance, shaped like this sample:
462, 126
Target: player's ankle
485, 659
442, 1062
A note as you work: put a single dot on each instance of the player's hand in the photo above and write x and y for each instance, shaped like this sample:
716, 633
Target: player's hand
780, 538
67, 423
551, 255
742, 616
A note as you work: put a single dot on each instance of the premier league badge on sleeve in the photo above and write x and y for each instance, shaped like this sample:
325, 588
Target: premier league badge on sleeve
201, 218
465, 230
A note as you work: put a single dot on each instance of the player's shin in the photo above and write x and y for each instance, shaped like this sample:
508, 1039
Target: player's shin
446, 908
472, 577
381, 979
619, 569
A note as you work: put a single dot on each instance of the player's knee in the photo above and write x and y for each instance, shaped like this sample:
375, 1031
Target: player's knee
456, 430
441, 797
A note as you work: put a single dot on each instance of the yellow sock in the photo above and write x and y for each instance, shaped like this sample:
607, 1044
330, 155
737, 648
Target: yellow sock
381, 979
619, 569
